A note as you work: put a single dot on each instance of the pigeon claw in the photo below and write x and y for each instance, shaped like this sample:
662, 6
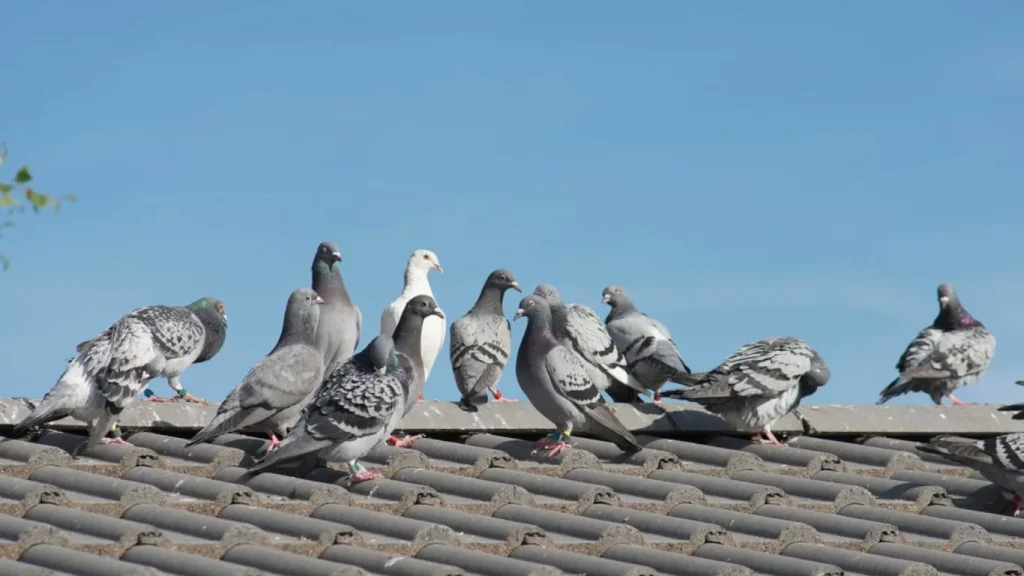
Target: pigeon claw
363, 475
550, 447
274, 443
957, 402
405, 441
765, 437
117, 440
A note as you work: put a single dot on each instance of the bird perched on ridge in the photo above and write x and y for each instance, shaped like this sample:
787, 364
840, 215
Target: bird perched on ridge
555, 381
953, 352
416, 283
341, 322
481, 341
580, 329
760, 383
110, 370
651, 354
1000, 460
357, 406
279, 381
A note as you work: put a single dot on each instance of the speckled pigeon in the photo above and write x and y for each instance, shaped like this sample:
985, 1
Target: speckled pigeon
110, 370
579, 328
356, 406
651, 354
481, 342
760, 383
416, 283
341, 322
953, 352
556, 383
1000, 460
279, 381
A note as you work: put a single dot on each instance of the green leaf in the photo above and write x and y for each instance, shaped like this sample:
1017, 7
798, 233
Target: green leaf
38, 201
23, 176
5, 188
6, 200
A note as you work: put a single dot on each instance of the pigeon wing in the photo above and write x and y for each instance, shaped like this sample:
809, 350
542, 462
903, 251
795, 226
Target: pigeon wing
954, 355
479, 349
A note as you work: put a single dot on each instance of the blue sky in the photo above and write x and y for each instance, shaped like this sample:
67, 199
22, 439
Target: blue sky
744, 169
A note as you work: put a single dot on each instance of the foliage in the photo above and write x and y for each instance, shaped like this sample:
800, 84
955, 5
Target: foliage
18, 194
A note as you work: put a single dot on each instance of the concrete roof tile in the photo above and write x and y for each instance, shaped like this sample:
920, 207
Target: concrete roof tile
82, 563
473, 499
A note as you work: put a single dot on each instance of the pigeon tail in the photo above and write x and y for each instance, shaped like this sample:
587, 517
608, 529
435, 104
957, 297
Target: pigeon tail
605, 425
897, 387
229, 421
965, 453
294, 447
471, 402
685, 379
57, 403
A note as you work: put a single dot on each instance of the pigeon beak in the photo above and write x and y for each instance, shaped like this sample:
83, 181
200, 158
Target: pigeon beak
519, 314
337, 256
606, 298
437, 266
438, 312
515, 286
319, 300
943, 300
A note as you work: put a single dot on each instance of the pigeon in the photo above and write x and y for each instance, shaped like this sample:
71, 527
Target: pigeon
953, 352
651, 354
1018, 408
356, 406
481, 342
420, 264
341, 322
279, 381
556, 382
760, 383
580, 329
110, 370
1000, 460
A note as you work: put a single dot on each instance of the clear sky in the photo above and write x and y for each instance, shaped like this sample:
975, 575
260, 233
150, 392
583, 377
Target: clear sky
744, 169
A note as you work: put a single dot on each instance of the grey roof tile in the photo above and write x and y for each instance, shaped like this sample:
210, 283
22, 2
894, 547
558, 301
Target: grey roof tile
690, 503
82, 563
13, 568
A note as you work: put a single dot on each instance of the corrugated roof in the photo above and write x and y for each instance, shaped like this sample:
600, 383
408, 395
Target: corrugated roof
471, 499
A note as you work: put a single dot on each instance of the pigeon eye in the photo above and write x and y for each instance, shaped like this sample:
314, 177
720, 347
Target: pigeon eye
425, 257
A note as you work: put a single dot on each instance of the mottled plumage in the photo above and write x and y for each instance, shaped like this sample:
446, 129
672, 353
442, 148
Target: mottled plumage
556, 382
356, 406
1000, 460
759, 383
651, 354
953, 352
416, 283
113, 368
279, 381
580, 329
481, 342
341, 322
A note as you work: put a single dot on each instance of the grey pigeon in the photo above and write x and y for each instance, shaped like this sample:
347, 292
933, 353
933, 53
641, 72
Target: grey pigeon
953, 352
110, 370
1000, 460
356, 406
651, 354
579, 328
279, 381
341, 322
481, 342
555, 381
760, 383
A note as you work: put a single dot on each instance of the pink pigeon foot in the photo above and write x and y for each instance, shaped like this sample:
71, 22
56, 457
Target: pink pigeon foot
767, 438
274, 443
550, 446
117, 440
421, 398
362, 475
497, 396
956, 401
403, 442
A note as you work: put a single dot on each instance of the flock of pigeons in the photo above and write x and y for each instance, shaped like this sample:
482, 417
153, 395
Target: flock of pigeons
314, 394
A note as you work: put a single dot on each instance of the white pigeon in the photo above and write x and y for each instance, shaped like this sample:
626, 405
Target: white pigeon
416, 284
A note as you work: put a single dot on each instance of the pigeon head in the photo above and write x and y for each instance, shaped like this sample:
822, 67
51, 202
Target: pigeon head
423, 306
425, 261
532, 306
502, 280
327, 253
952, 314
301, 315
615, 296
549, 293
211, 313
408, 333
816, 377
946, 295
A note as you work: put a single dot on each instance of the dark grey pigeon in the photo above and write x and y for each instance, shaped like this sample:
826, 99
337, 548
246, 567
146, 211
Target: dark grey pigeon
356, 406
651, 354
279, 381
953, 352
579, 328
481, 342
1000, 460
556, 383
760, 383
110, 370
341, 322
